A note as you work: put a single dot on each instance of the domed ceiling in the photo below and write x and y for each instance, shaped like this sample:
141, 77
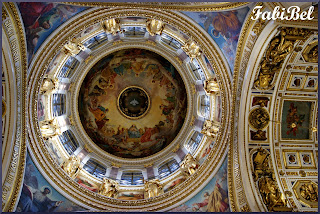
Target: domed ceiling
132, 103
158, 107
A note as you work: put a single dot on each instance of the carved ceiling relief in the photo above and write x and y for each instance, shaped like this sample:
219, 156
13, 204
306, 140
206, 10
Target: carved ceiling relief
279, 48
264, 177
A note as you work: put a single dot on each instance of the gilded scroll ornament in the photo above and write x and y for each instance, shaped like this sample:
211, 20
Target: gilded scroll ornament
154, 27
153, 188
72, 166
306, 192
210, 129
279, 47
74, 47
191, 49
189, 165
263, 174
111, 26
109, 188
259, 118
49, 84
310, 53
211, 86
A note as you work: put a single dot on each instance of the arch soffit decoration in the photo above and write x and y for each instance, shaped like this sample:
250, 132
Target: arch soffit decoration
250, 52
14, 47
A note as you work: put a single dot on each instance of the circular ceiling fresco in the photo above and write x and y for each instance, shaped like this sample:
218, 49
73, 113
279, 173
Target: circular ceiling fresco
132, 103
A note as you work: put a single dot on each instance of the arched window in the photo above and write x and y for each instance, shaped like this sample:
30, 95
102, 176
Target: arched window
196, 69
170, 41
205, 106
70, 65
59, 104
168, 168
193, 143
134, 31
95, 168
68, 141
132, 178
96, 40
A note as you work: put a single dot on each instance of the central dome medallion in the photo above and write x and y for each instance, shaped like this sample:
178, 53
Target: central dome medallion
132, 103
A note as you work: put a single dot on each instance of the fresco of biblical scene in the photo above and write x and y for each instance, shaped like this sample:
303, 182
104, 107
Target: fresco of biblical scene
39, 196
174, 183
41, 19
212, 198
41, 109
296, 120
204, 153
87, 184
132, 103
130, 196
224, 28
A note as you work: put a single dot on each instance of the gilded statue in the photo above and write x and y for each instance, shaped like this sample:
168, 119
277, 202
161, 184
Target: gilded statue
189, 165
109, 188
211, 86
111, 26
279, 48
153, 188
261, 164
191, 49
309, 191
48, 85
154, 27
74, 47
49, 128
271, 195
72, 166
263, 174
210, 129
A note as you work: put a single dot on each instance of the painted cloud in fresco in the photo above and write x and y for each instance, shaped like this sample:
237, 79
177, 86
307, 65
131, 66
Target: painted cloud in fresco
212, 198
38, 195
41, 19
224, 28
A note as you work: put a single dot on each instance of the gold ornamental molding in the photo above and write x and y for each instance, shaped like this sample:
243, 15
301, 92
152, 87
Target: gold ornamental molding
244, 48
279, 48
13, 30
259, 118
58, 176
181, 6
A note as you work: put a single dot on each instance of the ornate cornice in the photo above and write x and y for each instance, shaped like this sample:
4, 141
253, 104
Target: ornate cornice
180, 6
14, 30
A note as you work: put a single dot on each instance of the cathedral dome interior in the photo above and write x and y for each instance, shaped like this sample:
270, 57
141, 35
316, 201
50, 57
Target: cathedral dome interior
175, 107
